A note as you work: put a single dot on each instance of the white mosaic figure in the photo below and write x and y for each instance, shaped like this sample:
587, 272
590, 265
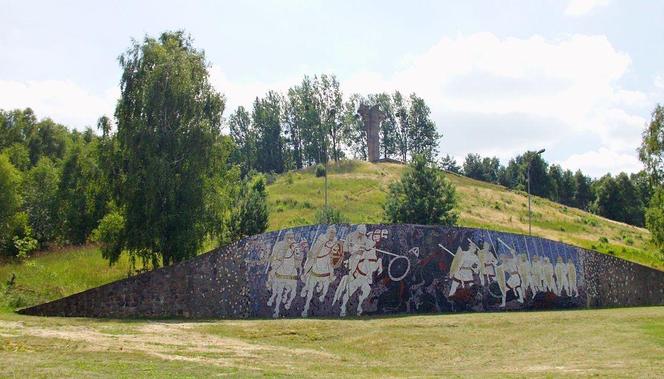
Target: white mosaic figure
318, 270
525, 272
562, 282
488, 264
547, 271
537, 275
464, 265
285, 264
509, 277
362, 264
571, 275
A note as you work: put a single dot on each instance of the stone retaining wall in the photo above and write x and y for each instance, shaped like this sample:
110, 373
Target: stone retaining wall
342, 270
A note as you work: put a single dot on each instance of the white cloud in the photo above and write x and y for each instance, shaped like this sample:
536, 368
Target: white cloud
659, 81
578, 8
598, 162
63, 101
506, 88
244, 92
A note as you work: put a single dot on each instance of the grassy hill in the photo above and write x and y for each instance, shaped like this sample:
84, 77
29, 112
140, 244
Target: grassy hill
358, 189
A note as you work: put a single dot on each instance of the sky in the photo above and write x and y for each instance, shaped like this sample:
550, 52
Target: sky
577, 77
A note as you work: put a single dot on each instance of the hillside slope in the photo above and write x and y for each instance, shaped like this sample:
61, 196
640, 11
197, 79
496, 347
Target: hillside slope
358, 189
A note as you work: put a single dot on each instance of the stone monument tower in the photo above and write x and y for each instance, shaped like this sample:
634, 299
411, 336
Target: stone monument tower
372, 116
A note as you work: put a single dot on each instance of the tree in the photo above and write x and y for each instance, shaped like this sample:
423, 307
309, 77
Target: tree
422, 134
472, 166
10, 202
19, 156
562, 185
388, 127
354, 133
422, 196
608, 202
485, 169
449, 164
244, 137
269, 140
651, 152
655, 217
40, 189
329, 105
402, 126
250, 215
16, 127
583, 194
50, 139
81, 195
169, 120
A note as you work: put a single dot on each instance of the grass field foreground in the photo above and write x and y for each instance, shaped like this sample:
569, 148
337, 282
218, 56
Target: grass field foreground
625, 342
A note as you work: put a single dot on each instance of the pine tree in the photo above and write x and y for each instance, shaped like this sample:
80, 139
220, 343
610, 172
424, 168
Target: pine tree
422, 196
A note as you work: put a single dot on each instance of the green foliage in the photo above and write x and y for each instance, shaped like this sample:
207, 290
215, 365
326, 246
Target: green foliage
244, 137
266, 118
19, 156
618, 199
329, 215
109, 234
250, 215
583, 194
449, 164
651, 151
655, 217
82, 195
168, 139
485, 169
422, 132
10, 202
422, 196
24, 246
320, 171
40, 190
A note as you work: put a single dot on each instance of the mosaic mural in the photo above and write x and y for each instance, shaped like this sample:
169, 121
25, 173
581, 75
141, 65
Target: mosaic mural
349, 270
358, 269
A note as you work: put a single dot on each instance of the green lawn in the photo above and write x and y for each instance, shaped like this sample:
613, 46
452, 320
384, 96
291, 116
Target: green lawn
626, 342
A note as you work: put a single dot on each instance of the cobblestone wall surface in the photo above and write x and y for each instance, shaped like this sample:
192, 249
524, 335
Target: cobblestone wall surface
340, 270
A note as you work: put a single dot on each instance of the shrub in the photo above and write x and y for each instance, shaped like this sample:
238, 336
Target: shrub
329, 215
109, 235
24, 246
320, 170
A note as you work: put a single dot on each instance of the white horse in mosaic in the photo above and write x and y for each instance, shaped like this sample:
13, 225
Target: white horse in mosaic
318, 270
282, 280
362, 264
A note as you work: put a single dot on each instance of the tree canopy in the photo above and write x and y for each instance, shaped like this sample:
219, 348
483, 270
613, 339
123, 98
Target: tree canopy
168, 128
422, 196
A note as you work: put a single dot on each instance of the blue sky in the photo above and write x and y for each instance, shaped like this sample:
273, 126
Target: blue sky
578, 77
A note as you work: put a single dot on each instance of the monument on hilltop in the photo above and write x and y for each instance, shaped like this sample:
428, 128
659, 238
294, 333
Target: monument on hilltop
372, 116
